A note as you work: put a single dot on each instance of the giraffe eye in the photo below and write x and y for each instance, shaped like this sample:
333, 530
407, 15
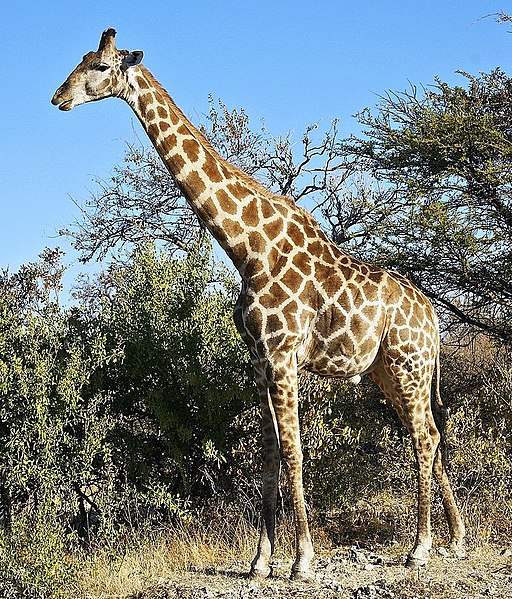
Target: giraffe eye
101, 67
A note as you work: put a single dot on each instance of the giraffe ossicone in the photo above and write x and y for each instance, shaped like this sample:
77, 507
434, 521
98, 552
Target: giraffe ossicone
304, 303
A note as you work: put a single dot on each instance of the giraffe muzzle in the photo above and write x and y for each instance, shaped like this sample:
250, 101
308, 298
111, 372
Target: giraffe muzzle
60, 100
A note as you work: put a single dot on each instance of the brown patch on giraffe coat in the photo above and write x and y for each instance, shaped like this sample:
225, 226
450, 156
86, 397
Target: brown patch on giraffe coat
376, 276
310, 232
250, 214
150, 114
266, 209
292, 279
276, 295
162, 112
315, 248
343, 341
254, 319
170, 141
210, 208
403, 334
296, 235
153, 131
144, 101
321, 365
164, 125
258, 282
182, 130
406, 306
371, 292
282, 208
400, 319
370, 311
415, 322
309, 294
194, 183
274, 323
273, 228
286, 247
367, 347
357, 326
211, 169
232, 228
174, 118
257, 242
226, 203
254, 266
327, 277
344, 300
302, 261
240, 250
238, 190
338, 319
333, 284
177, 162
143, 84
191, 149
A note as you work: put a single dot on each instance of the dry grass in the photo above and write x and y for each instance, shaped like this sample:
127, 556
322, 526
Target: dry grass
216, 549
128, 565
135, 561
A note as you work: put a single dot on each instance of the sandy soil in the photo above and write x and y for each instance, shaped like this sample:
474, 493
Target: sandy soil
355, 573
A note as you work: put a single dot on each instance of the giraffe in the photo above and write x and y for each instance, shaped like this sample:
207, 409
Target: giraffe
304, 303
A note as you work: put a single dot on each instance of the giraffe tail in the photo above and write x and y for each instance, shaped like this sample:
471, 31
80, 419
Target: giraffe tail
439, 400
439, 411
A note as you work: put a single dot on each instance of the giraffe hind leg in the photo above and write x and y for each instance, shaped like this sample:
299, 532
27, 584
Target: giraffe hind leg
412, 403
453, 517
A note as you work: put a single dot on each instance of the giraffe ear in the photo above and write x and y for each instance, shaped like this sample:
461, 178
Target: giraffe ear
132, 59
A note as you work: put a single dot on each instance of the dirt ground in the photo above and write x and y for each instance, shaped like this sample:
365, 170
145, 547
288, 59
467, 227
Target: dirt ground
355, 573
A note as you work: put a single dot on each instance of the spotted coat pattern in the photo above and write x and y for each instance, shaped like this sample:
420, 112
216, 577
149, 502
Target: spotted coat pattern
304, 303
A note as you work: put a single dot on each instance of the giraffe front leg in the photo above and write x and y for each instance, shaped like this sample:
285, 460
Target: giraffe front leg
284, 394
292, 455
260, 566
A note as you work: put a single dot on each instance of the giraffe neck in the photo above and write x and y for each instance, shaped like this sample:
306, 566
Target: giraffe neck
216, 190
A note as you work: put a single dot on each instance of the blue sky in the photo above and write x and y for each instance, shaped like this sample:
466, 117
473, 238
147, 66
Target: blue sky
288, 62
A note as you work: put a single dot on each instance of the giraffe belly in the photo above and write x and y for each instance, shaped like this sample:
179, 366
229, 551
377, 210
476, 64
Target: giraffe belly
341, 366
341, 356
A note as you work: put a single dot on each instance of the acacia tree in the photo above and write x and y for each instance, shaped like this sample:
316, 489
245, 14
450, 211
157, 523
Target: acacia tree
442, 157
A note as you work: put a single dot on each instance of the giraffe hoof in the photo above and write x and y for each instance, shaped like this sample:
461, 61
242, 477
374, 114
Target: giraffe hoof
260, 574
416, 562
301, 576
457, 549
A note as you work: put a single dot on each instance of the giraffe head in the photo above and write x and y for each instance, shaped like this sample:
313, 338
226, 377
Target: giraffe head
101, 74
